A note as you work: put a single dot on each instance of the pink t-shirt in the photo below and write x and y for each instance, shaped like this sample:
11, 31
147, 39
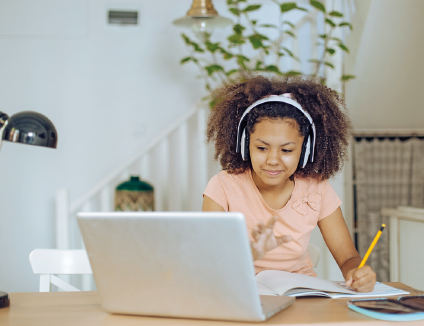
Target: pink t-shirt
311, 201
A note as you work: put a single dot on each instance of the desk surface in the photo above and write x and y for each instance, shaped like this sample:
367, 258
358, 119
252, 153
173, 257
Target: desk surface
83, 308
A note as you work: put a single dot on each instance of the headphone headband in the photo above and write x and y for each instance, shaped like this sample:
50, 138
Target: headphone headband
277, 98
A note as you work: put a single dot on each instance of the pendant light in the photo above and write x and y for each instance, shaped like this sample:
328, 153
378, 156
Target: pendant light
202, 18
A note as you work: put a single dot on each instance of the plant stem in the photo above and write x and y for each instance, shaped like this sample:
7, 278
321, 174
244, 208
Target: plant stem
279, 39
238, 22
262, 52
199, 66
220, 73
321, 61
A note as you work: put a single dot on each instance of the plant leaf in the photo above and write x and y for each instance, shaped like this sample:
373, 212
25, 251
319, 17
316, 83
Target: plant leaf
290, 33
232, 71
346, 24
238, 29
281, 54
336, 39
254, 22
258, 65
347, 77
213, 68
256, 40
236, 39
185, 38
330, 22
272, 68
292, 73
234, 11
241, 59
184, 60
343, 47
289, 23
225, 54
317, 5
251, 8
212, 47
330, 50
328, 64
335, 14
290, 53
323, 36
288, 6
268, 25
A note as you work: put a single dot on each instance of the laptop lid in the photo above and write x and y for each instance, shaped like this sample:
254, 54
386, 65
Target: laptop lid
179, 264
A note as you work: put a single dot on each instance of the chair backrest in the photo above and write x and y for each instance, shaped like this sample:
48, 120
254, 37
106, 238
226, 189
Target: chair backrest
47, 262
314, 253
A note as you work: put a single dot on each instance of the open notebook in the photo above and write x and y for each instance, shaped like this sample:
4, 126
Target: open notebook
298, 285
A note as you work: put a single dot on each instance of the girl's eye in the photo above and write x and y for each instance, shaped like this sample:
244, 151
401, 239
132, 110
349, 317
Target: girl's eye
261, 148
287, 150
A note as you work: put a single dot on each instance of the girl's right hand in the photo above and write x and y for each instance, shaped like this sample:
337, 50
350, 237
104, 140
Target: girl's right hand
264, 239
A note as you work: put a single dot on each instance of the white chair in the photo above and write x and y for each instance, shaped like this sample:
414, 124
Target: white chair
47, 262
314, 253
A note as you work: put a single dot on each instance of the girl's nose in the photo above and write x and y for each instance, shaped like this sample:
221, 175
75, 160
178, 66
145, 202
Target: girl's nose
273, 157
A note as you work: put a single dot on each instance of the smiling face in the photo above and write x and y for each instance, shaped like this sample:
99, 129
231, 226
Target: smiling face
275, 147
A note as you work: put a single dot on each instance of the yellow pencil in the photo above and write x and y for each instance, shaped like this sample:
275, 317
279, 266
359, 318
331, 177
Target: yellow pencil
372, 246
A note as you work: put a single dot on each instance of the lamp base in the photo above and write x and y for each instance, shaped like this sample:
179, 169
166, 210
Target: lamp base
4, 300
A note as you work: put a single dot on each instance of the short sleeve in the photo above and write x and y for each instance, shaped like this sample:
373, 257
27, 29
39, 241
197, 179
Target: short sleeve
330, 200
215, 191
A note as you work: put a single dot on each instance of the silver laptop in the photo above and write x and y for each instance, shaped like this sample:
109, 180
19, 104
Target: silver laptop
179, 264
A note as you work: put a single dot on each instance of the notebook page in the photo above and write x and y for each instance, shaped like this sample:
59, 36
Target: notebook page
281, 282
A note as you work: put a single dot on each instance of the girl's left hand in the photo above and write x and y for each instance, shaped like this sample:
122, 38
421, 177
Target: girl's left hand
361, 280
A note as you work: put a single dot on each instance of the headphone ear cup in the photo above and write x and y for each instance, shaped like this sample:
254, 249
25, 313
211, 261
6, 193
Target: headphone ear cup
307, 152
304, 155
243, 144
246, 147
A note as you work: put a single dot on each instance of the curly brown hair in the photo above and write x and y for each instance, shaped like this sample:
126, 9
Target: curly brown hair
326, 108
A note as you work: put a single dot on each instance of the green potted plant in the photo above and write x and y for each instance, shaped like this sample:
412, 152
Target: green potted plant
218, 61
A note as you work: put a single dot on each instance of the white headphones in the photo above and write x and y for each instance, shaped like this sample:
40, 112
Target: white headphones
308, 146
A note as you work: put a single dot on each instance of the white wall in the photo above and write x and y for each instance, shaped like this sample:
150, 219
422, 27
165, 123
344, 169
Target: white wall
387, 93
108, 90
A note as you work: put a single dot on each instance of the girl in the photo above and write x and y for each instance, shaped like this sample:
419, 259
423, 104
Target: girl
279, 140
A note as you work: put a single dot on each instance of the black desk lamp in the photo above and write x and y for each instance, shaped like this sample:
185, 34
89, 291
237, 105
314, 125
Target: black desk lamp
30, 128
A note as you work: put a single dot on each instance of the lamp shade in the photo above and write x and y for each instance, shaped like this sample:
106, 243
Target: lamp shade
29, 128
202, 11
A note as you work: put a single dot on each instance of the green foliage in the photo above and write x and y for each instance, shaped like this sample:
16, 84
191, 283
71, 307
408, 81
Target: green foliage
246, 32
346, 24
213, 68
347, 77
251, 8
256, 40
335, 14
317, 5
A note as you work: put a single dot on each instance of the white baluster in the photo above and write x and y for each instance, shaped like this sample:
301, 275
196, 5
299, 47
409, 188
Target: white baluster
63, 229
182, 159
203, 153
87, 282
